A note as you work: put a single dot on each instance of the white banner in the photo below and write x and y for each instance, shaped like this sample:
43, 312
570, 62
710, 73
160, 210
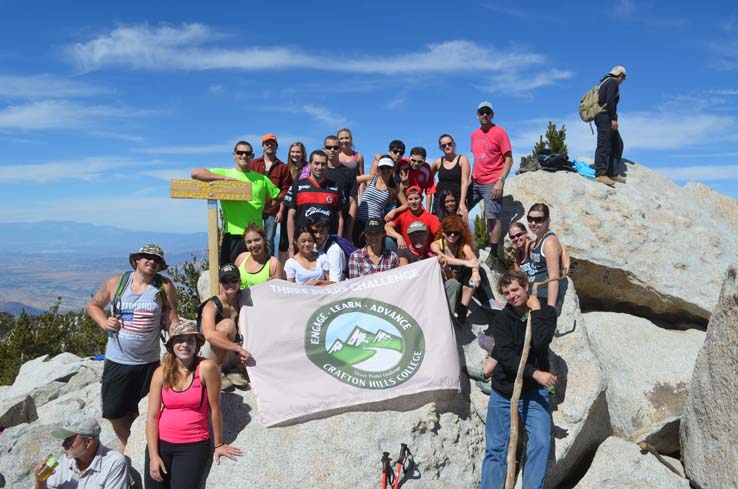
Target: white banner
363, 340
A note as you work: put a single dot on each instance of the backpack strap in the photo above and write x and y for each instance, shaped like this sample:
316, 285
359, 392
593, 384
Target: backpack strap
122, 285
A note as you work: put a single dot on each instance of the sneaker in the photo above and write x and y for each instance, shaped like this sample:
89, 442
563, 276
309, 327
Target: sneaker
225, 383
618, 179
606, 180
237, 379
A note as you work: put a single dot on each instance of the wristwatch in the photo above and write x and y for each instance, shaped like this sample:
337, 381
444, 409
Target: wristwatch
502, 179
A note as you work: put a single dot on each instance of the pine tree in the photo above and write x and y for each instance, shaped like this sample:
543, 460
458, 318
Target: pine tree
555, 141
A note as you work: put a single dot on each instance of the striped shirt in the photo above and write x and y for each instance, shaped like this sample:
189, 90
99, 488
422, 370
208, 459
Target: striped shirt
373, 203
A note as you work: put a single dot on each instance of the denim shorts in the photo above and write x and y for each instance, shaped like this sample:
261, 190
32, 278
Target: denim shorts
492, 207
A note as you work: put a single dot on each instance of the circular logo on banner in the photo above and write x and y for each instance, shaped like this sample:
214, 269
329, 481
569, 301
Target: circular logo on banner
365, 343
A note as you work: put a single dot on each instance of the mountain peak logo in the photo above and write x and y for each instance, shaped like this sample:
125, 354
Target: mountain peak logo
365, 343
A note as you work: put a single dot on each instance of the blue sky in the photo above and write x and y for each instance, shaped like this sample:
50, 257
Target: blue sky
102, 103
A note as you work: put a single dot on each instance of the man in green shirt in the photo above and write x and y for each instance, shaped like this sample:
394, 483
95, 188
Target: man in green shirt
239, 213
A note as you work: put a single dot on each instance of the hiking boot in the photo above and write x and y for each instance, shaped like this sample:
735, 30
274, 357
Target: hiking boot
225, 382
606, 180
618, 179
238, 380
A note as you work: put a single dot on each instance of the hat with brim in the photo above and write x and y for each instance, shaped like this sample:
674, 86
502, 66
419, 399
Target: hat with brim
229, 271
412, 189
485, 105
385, 161
618, 70
77, 424
182, 328
416, 227
374, 226
148, 249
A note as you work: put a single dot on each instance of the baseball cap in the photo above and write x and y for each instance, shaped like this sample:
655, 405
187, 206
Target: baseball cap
618, 70
148, 249
229, 270
268, 137
385, 161
416, 227
78, 423
412, 189
373, 225
484, 104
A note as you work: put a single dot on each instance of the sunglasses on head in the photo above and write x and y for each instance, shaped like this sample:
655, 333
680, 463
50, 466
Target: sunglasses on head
332, 147
245, 153
536, 219
516, 236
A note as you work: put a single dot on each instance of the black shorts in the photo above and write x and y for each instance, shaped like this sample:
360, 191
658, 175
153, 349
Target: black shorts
284, 244
231, 246
123, 386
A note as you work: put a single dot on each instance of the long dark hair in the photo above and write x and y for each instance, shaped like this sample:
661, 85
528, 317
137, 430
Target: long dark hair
441, 209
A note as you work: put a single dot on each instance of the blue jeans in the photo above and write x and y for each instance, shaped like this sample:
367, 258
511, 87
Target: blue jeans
270, 229
537, 420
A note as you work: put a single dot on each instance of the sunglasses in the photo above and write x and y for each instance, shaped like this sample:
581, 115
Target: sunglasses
397, 151
513, 237
446, 145
452, 233
155, 258
333, 147
417, 162
536, 219
68, 442
245, 153
484, 112
230, 281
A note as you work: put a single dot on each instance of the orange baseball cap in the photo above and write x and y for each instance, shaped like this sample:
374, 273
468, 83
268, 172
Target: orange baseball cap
267, 137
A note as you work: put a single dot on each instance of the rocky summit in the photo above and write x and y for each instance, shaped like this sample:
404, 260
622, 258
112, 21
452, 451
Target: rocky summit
646, 351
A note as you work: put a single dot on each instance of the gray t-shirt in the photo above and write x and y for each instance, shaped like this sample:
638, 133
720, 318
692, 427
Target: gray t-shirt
137, 341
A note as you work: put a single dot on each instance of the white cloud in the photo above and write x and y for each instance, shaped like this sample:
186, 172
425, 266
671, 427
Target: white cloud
701, 173
324, 115
188, 47
45, 86
87, 169
726, 55
727, 91
624, 7
521, 84
60, 114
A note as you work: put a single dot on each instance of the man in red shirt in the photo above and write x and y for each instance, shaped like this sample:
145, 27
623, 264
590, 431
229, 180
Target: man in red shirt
279, 174
492, 162
398, 227
416, 171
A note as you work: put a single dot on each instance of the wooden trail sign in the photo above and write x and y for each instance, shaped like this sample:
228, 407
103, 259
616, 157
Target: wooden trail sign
213, 192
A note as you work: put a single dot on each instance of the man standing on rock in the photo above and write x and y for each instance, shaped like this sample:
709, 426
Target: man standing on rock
492, 163
508, 331
239, 213
142, 304
609, 143
345, 178
86, 461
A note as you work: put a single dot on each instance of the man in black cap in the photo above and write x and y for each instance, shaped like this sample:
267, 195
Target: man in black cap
86, 461
142, 304
373, 257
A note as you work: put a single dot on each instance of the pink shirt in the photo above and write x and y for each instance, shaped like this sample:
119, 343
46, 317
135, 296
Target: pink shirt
184, 416
489, 150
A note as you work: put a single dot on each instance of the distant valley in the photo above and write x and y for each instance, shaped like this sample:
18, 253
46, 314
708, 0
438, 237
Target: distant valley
42, 261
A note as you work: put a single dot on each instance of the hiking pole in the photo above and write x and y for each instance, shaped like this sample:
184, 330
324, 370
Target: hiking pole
517, 389
387, 476
405, 457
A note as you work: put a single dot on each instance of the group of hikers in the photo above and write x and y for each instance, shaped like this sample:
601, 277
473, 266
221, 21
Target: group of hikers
337, 220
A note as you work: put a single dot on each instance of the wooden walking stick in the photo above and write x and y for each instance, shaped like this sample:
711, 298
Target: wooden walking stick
517, 389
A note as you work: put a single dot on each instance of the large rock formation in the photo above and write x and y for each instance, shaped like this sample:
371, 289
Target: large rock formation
648, 370
639, 247
709, 429
622, 465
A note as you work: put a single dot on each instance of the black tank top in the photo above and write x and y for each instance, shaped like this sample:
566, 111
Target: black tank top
450, 178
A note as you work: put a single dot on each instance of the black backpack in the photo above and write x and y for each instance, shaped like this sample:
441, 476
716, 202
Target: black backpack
555, 162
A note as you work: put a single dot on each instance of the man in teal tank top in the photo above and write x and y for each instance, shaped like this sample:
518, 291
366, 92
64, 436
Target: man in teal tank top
239, 213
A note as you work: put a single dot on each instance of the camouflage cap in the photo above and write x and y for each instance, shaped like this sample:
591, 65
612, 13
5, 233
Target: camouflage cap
148, 249
185, 327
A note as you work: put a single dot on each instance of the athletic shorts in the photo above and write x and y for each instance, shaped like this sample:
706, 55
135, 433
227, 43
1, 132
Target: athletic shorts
492, 207
123, 386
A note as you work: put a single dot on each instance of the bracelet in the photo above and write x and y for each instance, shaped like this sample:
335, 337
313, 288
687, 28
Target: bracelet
219, 445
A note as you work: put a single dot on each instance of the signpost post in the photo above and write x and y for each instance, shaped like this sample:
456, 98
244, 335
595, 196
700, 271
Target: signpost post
213, 192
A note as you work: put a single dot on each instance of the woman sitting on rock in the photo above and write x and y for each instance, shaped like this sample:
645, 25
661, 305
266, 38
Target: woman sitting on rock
307, 266
544, 257
255, 265
459, 264
374, 257
448, 204
184, 391
520, 240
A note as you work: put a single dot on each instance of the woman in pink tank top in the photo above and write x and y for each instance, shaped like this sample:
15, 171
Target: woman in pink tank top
184, 391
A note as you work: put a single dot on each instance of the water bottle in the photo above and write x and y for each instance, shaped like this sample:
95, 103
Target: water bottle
50, 464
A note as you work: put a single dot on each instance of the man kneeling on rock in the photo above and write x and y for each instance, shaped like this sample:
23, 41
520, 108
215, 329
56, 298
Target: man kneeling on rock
508, 330
86, 461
